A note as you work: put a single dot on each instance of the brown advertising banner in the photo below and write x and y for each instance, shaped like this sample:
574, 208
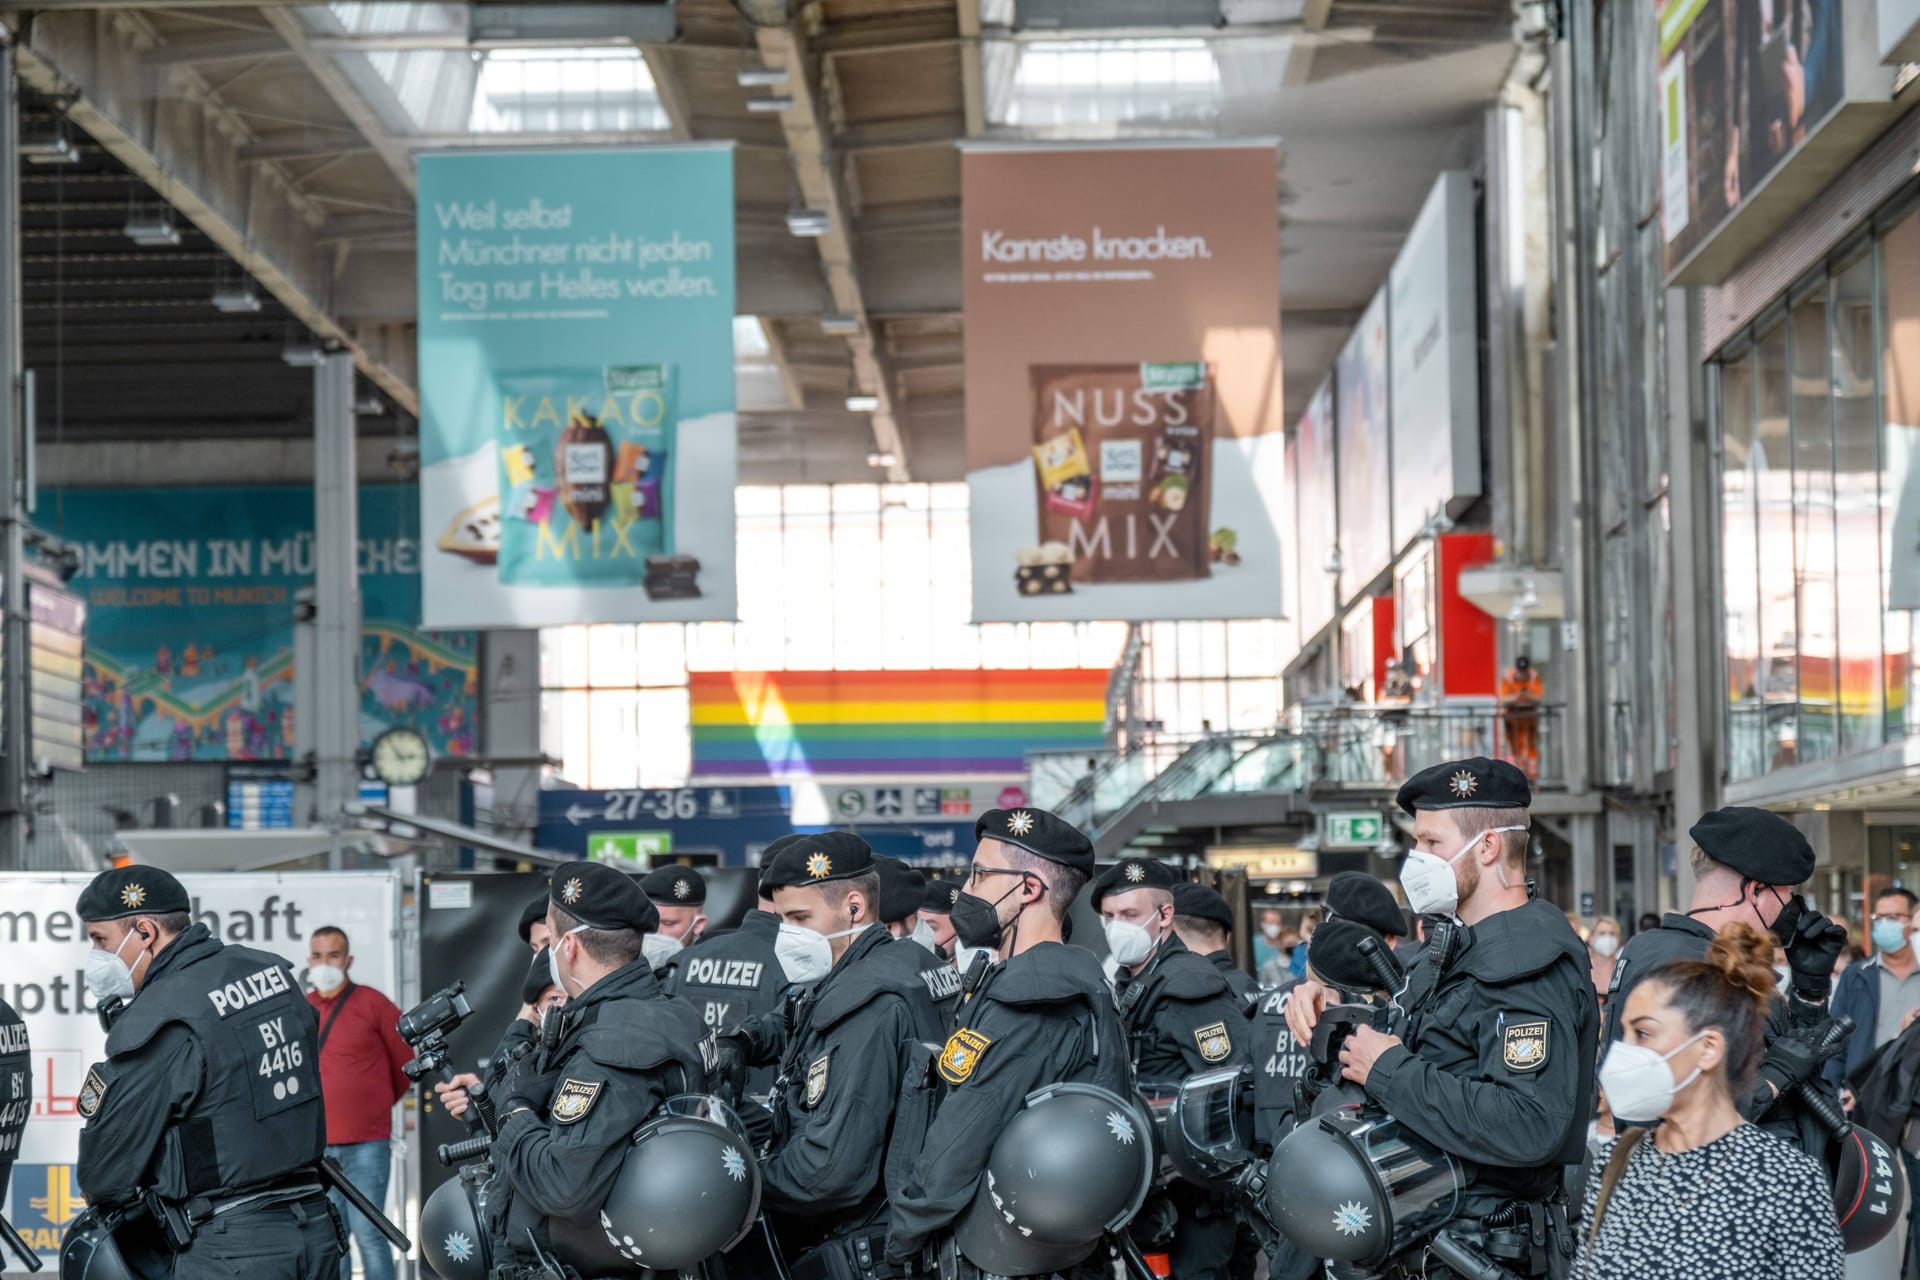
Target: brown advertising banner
1125, 456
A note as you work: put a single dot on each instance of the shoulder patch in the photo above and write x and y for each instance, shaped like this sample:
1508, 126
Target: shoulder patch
92, 1094
962, 1054
1215, 1043
575, 1099
1525, 1046
817, 1079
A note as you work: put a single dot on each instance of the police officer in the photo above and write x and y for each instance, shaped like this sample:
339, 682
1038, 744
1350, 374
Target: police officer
841, 1067
1180, 1017
1035, 1011
1495, 1059
540, 998
739, 974
533, 924
902, 890
16, 1093
936, 908
1204, 922
622, 1048
1746, 863
207, 1109
679, 894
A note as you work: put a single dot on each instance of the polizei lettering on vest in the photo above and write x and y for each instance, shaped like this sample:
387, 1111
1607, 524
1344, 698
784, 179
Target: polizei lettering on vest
724, 973
250, 990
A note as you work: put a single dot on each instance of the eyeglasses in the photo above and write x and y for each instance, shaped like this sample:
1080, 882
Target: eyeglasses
1892, 919
979, 872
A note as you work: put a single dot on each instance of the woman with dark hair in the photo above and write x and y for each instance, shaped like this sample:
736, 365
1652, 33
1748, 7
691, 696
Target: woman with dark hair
1705, 1194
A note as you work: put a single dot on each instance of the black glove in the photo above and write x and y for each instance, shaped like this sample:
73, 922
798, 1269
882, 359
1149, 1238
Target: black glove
531, 1091
730, 1066
1816, 944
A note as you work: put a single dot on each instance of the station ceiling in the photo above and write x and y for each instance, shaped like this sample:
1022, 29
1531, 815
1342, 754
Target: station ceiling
281, 138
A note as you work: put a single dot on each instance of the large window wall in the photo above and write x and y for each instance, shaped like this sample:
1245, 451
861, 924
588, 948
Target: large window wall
1820, 546
863, 577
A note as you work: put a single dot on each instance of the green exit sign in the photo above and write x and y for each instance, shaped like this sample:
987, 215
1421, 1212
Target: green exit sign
1354, 830
629, 846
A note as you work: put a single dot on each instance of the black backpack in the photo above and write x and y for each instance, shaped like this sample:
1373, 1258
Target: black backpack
1885, 1084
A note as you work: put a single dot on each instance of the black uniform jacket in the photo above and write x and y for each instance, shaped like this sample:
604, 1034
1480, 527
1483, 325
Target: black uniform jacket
733, 976
1043, 1017
1498, 1061
1180, 1015
1239, 981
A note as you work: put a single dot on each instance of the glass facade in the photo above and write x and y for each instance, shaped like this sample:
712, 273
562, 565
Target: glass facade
1818, 564
864, 577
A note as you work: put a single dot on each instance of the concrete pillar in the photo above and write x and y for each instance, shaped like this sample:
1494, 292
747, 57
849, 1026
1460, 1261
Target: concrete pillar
15, 441
335, 709
510, 728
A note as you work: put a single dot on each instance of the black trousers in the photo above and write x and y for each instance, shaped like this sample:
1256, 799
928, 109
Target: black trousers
299, 1241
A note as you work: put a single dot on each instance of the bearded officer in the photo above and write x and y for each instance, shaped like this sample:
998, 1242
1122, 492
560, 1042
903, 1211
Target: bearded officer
1180, 1017
842, 1062
1495, 1059
622, 1048
902, 891
1034, 1011
207, 1108
1204, 922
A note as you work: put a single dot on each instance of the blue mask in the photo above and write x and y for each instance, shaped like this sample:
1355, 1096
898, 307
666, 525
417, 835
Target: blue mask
1889, 935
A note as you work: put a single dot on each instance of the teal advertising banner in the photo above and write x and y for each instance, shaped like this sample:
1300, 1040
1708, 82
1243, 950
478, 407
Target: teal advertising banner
190, 622
576, 384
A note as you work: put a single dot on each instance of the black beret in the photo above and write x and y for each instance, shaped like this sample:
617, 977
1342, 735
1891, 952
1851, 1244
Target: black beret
1038, 832
1133, 873
816, 859
132, 890
938, 899
603, 897
539, 978
1759, 844
1357, 896
1478, 783
532, 914
1334, 954
675, 885
902, 889
1202, 903
767, 855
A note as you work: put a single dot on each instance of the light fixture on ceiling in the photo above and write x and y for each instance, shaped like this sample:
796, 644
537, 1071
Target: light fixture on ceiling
762, 78
879, 461
152, 228
809, 223
235, 297
370, 407
862, 404
772, 104
49, 148
839, 324
302, 353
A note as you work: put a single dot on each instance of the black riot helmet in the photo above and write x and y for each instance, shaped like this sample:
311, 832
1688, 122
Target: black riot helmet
690, 1188
1209, 1133
1869, 1188
95, 1249
452, 1240
1356, 1185
1072, 1165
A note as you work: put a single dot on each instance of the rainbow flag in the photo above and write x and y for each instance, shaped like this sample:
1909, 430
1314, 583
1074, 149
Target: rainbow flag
785, 725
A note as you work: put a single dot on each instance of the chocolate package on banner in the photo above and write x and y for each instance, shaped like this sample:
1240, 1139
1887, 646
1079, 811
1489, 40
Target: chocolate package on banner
585, 489
1122, 453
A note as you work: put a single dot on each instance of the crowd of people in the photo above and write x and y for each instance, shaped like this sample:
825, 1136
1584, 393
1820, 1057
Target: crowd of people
907, 1063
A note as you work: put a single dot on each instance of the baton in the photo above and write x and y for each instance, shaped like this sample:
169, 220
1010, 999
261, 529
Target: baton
363, 1206
19, 1246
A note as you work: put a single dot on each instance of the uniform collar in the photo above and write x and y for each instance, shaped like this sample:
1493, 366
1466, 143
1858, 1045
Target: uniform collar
1680, 922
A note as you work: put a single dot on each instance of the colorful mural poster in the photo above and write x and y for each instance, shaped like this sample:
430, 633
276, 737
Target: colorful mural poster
190, 622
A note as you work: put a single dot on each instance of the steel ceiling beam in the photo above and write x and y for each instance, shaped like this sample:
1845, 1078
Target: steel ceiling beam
357, 109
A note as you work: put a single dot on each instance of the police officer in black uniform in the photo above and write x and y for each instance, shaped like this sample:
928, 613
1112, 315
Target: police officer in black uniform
207, 1109
16, 1094
679, 894
1495, 1058
1180, 1017
1204, 922
902, 891
841, 1063
1746, 864
533, 924
1034, 1012
622, 1047
736, 975
936, 908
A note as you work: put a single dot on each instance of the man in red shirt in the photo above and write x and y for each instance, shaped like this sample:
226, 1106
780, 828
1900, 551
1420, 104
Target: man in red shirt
361, 1055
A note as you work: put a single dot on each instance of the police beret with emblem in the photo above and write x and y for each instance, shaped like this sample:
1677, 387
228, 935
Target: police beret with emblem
603, 897
533, 913
1333, 955
1357, 896
767, 855
539, 978
677, 886
1202, 903
938, 899
1133, 873
902, 888
1038, 832
131, 891
1478, 783
816, 859
1757, 843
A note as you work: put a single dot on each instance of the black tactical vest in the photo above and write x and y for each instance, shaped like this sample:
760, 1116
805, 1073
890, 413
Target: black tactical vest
16, 1086
733, 977
1279, 1061
258, 1116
